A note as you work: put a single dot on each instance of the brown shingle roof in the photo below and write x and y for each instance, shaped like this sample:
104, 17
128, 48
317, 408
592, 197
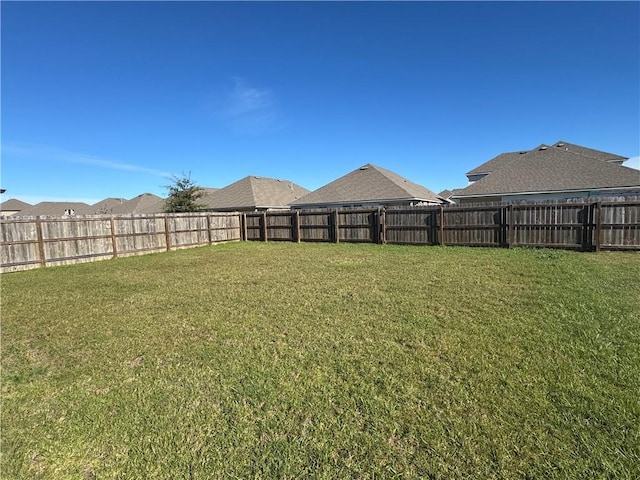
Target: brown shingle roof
250, 193
550, 169
370, 184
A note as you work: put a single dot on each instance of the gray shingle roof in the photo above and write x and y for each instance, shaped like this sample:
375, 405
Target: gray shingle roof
14, 204
57, 208
589, 152
107, 205
145, 203
495, 163
551, 169
253, 192
368, 183
506, 158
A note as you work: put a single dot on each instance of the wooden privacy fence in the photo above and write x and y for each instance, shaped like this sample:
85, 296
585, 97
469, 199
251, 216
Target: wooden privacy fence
580, 226
32, 242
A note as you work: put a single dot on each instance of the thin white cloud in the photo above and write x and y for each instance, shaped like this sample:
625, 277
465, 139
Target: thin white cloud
248, 109
48, 153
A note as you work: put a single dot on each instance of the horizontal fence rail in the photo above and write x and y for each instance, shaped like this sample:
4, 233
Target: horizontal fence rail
31, 242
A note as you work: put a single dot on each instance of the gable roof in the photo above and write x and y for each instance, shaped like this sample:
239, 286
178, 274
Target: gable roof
253, 192
57, 208
549, 169
13, 204
368, 183
144, 203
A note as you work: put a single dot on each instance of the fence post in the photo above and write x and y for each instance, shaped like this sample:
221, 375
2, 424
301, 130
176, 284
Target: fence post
209, 228
114, 242
597, 217
43, 260
296, 229
264, 226
167, 236
511, 236
243, 226
504, 226
441, 226
586, 226
336, 226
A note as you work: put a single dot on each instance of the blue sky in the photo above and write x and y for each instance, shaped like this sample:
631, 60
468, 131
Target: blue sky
108, 99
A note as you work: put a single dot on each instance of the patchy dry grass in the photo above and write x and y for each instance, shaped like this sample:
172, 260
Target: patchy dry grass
253, 360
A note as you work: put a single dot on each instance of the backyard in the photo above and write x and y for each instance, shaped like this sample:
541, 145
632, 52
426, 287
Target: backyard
285, 360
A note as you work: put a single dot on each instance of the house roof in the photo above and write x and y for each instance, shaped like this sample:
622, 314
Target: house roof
506, 158
13, 204
254, 192
495, 163
368, 183
107, 205
552, 169
590, 152
57, 208
144, 203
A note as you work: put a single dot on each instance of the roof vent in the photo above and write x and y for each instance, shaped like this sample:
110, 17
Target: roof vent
544, 147
560, 145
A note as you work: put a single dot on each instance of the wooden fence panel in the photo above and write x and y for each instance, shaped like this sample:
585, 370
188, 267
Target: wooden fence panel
280, 226
19, 248
316, 226
254, 226
474, 226
357, 226
619, 225
224, 227
66, 241
551, 225
138, 234
187, 230
413, 227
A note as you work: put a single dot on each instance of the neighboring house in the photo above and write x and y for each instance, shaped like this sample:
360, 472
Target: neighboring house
368, 186
57, 209
144, 203
106, 206
251, 194
556, 172
13, 206
446, 195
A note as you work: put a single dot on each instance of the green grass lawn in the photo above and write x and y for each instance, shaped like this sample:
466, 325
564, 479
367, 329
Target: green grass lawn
280, 360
